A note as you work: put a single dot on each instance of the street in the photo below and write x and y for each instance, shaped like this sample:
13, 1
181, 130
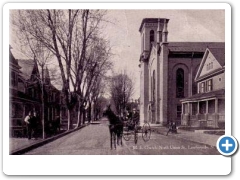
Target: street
95, 140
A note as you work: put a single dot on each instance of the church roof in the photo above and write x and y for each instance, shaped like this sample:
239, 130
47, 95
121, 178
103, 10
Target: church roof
193, 46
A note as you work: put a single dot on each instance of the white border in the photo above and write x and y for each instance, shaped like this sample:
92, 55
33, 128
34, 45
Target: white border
105, 165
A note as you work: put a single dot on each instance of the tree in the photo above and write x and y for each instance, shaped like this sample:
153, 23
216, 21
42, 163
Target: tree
121, 90
71, 36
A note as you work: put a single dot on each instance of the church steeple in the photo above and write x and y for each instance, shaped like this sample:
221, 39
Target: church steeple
153, 30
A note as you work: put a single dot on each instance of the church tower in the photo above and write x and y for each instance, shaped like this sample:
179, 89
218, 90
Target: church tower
153, 33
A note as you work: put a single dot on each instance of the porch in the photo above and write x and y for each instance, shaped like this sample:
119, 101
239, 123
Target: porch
204, 110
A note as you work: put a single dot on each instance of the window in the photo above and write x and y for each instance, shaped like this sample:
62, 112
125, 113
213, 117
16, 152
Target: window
21, 86
16, 110
202, 87
151, 36
179, 110
13, 107
180, 83
209, 85
209, 66
13, 79
64, 112
33, 92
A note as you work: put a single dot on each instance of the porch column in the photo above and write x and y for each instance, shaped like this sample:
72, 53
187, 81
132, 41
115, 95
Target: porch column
198, 107
216, 114
182, 108
206, 114
182, 115
188, 115
197, 114
216, 105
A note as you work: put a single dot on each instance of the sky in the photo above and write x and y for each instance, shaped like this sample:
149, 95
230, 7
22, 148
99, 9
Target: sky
122, 32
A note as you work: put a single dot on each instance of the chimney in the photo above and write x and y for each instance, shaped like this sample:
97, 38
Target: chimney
165, 31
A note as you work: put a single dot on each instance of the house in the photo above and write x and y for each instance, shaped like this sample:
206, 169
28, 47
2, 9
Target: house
207, 107
26, 92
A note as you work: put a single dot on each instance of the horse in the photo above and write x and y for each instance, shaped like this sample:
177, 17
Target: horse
115, 127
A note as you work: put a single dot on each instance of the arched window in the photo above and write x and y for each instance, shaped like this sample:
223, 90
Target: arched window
151, 36
180, 83
154, 86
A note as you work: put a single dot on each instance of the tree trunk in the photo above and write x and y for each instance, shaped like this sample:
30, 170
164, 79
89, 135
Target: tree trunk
79, 118
89, 112
69, 119
43, 123
83, 116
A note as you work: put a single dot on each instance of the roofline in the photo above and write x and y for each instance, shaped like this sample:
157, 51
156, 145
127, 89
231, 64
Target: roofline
151, 20
211, 74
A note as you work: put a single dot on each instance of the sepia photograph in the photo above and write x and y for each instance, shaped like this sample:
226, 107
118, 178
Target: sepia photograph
116, 82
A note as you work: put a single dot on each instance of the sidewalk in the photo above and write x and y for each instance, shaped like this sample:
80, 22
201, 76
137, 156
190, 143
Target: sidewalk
22, 145
198, 136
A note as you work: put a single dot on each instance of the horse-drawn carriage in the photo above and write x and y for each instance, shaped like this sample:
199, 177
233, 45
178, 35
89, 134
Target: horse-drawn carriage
119, 128
132, 127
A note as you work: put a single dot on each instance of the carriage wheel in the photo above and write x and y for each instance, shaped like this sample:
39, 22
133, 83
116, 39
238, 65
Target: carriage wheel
126, 134
146, 132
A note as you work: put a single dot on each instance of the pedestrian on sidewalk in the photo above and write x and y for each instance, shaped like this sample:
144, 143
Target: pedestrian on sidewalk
172, 127
34, 125
27, 120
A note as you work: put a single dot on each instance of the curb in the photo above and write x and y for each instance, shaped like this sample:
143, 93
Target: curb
43, 142
176, 137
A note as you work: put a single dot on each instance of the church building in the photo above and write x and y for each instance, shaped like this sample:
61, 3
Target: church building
168, 71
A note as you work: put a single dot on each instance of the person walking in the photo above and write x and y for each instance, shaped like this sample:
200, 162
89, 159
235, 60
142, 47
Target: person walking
27, 120
172, 127
34, 125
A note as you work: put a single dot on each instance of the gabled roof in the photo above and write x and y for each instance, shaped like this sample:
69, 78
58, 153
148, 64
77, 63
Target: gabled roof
26, 67
219, 55
13, 62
